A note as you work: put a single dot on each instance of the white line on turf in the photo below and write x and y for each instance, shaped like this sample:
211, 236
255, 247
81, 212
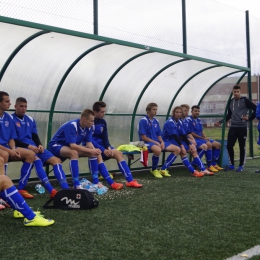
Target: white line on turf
246, 254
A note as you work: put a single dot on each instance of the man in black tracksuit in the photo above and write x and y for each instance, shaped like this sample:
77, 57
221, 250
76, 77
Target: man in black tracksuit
237, 112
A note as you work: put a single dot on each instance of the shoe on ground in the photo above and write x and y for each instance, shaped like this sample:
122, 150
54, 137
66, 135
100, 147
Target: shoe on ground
165, 173
240, 169
218, 167
156, 173
117, 186
101, 177
207, 173
257, 171
25, 194
53, 193
2, 207
18, 214
197, 174
230, 168
212, 169
38, 221
4, 203
134, 184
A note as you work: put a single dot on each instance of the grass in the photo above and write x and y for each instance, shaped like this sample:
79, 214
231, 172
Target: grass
171, 218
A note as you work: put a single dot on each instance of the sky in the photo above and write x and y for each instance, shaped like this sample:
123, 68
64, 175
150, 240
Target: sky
253, 6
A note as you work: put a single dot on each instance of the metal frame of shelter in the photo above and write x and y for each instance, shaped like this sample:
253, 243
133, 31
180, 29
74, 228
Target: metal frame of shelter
140, 70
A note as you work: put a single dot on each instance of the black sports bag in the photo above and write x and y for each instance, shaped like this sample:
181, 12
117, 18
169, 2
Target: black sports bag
72, 199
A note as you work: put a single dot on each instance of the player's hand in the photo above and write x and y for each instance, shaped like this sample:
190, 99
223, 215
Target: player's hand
217, 123
108, 153
162, 146
158, 144
41, 148
95, 152
34, 148
243, 117
183, 150
14, 153
192, 147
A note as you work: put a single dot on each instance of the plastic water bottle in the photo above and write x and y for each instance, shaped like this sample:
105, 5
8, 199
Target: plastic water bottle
102, 190
40, 188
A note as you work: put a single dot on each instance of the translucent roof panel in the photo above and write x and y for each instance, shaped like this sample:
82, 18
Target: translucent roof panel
40, 65
11, 36
91, 74
130, 81
194, 89
166, 85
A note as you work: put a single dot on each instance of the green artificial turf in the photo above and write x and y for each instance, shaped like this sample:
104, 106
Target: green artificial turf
179, 217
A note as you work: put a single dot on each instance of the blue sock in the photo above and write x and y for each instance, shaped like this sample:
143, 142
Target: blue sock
170, 159
198, 162
6, 165
201, 152
187, 164
209, 157
215, 153
125, 170
74, 169
42, 175
155, 161
25, 174
93, 167
60, 176
16, 201
103, 170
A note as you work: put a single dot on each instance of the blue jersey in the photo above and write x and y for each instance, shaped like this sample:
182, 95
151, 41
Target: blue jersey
25, 128
186, 125
72, 133
7, 129
172, 127
100, 135
196, 126
150, 128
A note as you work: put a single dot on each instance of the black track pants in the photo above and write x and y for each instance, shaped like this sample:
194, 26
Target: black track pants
235, 133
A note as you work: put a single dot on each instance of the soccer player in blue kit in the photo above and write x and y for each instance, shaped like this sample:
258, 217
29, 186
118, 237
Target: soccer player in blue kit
7, 144
66, 143
101, 141
27, 137
213, 147
175, 132
150, 132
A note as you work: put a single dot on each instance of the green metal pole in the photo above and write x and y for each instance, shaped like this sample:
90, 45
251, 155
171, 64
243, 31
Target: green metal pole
184, 27
95, 16
249, 84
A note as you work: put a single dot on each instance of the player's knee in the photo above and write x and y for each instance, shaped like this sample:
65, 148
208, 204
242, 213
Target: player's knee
177, 150
74, 154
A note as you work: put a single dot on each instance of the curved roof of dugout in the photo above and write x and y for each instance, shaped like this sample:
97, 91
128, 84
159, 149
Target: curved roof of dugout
60, 72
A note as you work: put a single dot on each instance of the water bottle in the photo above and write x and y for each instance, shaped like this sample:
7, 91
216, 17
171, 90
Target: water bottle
102, 190
40, 188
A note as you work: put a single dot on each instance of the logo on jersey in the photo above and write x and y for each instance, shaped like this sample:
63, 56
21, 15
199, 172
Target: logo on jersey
28, 124
18, 124
6, 123
101, 129
155, 125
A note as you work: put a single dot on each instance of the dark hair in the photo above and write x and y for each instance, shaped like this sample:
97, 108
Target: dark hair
150, 105
97, 105
86, 113
236, 87
195, 106
20, 100
2, 94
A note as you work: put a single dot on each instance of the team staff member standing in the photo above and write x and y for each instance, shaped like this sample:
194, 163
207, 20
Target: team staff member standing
237, 114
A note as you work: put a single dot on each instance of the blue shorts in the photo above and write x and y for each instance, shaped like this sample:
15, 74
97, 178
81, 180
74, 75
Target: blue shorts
202, 141
45, 156
55, 150
166, 144
187, 148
